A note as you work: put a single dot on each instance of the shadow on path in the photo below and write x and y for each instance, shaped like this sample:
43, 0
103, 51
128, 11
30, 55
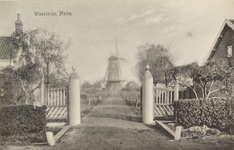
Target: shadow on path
117, 116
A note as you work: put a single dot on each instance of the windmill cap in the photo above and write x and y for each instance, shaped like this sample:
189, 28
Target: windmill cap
113, 58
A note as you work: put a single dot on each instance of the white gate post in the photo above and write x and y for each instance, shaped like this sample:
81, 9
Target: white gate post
176, 98
74, 99
148, 97
176, 91
42, 91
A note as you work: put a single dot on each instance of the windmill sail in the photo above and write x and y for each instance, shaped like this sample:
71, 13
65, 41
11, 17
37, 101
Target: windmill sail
116, 47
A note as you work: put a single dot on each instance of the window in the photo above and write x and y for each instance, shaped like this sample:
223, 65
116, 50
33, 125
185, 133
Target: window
229, 51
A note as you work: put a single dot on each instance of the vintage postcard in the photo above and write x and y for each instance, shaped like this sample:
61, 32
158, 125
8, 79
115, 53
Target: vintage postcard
117, 74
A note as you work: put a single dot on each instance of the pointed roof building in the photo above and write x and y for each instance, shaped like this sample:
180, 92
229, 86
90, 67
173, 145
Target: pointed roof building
7, 50
223, 45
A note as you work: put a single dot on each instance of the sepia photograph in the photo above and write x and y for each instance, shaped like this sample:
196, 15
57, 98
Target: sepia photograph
117, 74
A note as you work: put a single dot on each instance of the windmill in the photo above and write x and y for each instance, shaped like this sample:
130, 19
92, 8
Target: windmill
113, 76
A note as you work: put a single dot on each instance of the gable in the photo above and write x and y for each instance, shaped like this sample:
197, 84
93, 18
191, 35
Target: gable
224, 39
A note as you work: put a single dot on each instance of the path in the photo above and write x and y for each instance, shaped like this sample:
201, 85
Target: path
113, 112
112, 125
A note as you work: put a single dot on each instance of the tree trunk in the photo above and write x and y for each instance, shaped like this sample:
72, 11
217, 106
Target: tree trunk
204, 92
22, 85
26, 97
195, 93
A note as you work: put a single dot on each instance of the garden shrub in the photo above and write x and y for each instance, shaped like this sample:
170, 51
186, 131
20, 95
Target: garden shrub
23, 139
199, 132
213, 112
21, 119
83, 96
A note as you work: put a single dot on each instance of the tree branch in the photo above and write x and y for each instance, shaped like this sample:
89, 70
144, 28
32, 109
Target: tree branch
187, 85
210, 92
36, 87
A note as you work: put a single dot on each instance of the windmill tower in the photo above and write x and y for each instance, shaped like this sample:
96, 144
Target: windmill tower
113, 76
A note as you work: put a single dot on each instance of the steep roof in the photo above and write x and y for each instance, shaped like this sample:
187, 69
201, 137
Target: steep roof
228, 22
231, 20
6, 47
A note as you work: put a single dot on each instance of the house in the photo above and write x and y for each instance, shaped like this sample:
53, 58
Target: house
7, 50
131, 85
223, 45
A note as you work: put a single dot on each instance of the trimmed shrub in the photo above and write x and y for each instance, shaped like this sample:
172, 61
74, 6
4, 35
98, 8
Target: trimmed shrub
24, 139
21, 119
213, 112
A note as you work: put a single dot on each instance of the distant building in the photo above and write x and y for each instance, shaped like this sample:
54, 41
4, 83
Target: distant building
131, 86
7, 51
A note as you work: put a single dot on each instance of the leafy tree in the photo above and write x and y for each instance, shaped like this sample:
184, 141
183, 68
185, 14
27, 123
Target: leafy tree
159, 60
97, 84
212, 77
215, 76
86, 84
186, 75
40, 54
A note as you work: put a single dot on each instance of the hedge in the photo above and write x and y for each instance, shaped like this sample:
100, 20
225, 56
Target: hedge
21, 119
213, 112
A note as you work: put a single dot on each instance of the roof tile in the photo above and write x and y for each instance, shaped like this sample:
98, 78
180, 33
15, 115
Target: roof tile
231, 20
6, 47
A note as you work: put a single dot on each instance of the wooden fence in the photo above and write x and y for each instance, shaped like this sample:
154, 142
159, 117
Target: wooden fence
163, 102
57, 103
132, 98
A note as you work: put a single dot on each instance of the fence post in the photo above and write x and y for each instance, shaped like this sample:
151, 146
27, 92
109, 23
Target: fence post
176, 98
42, 91
141, 99
147, 103
89, 102
74, 99
136, 102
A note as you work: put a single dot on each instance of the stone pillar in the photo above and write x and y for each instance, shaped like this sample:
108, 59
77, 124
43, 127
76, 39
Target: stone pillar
176, 98
148, 98
74, 99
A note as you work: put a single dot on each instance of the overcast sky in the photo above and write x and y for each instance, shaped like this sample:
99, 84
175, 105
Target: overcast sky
188, 27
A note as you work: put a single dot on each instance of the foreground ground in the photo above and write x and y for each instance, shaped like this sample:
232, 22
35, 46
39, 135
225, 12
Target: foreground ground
112, 125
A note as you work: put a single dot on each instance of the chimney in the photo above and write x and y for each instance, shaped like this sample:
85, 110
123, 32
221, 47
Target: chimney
18, 25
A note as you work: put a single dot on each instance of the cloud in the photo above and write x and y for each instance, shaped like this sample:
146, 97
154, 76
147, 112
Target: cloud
142, 14
148, 12
154, 20
171, 29
133, 17
120, 20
